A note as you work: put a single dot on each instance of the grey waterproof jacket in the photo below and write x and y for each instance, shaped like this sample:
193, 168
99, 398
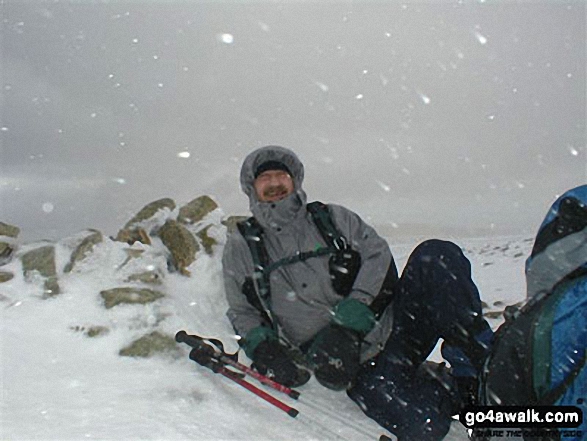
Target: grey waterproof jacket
302, 296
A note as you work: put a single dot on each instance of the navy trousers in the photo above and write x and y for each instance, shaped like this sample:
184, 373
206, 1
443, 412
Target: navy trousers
435, 298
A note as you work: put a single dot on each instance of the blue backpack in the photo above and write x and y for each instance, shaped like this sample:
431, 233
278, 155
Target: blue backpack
539, 354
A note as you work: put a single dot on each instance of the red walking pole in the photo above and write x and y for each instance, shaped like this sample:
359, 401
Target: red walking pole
260, 393
261, 378
206, 356
198, 343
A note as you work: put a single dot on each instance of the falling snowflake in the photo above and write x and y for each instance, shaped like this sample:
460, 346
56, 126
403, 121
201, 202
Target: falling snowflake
384, 186
226, 38
322, 86
425, 98
573, 150
481, 38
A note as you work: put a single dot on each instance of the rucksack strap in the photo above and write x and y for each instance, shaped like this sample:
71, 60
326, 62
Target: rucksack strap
258, 287
323, 220
253, 234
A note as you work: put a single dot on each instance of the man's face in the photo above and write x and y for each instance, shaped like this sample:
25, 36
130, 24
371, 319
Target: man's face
273, 185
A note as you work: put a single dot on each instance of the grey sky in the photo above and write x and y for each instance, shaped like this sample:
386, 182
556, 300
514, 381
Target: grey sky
430, 116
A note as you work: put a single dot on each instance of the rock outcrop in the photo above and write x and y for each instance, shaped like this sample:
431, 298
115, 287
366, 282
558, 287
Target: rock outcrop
8, 235
83, 249
135, 274
181, 244
129, 295
151, 344
196, 210
41, 261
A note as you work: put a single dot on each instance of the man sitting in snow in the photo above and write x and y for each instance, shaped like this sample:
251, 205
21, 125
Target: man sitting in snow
312, 286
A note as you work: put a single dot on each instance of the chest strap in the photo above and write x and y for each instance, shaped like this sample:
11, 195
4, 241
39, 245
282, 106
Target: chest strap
253, 234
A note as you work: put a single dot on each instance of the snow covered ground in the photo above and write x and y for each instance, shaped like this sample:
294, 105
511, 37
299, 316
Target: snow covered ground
59, 384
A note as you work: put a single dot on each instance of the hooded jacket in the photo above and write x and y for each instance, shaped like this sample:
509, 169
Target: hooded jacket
302, 296
560, 248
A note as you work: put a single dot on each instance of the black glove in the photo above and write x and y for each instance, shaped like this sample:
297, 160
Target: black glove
275, 361
335, 355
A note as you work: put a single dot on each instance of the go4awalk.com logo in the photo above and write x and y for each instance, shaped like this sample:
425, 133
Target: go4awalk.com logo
510, 421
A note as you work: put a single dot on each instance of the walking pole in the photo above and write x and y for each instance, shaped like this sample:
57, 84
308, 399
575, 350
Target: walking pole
206, 356
197, 342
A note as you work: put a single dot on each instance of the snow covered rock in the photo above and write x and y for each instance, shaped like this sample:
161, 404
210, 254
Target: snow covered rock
8, 234
149, 211
9, 230
129, 295
146, 222
131, 236
40, 262
150, 277
207, 241
5, 276
151, 344
182, 245
196, 210
231, 221
83, 249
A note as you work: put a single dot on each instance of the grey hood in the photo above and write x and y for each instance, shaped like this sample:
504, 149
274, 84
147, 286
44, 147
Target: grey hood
274, 214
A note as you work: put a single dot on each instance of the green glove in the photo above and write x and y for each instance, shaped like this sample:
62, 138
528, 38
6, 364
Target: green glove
352, 314
255, 336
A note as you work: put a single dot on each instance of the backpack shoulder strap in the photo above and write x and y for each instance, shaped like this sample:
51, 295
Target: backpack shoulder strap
252, 231
323, 220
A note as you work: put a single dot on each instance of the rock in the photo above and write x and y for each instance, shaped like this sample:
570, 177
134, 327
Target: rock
92, 331
207, 241
181, 244
42, 260
83, 249
231, 221
149, 277
5, 276
151, 344
196, 210
9, 230
51, 287
6, 250
129, 295
131, 236
132, 253
149, 210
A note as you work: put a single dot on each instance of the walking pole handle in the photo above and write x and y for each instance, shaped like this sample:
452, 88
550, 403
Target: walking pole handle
190, 340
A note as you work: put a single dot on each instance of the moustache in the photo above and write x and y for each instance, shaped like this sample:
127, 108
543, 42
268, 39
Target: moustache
277, 190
